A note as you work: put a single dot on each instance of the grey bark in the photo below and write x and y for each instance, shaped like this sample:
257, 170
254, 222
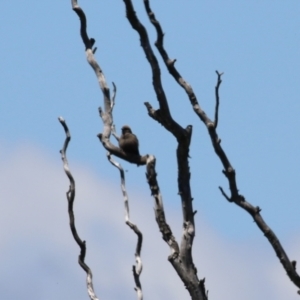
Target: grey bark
71, 198
137, 269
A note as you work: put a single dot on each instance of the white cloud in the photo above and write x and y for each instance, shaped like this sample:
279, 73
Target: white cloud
39, 255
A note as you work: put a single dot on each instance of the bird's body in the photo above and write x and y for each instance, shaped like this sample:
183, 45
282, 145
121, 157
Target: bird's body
128, 142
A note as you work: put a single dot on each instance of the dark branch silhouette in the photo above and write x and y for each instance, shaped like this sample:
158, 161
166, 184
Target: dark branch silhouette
228, 171
183, 262
217, 98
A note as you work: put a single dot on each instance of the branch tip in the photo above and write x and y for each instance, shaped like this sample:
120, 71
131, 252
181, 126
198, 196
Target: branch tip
225, 195
172, 62
217, 98
219, 74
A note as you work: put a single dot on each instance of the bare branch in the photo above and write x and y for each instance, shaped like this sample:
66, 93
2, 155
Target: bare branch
167, 120
71, 198
179, 258
224, 194
216, 142
163, 116
104, 137
170, 64
113, 98
217, 98
86, 40
159, 209
137, 269
183, 136
106, 115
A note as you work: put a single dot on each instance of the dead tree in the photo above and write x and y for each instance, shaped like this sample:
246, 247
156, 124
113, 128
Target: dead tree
211, 125
180, 252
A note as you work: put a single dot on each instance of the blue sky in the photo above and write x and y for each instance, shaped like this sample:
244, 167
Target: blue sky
45, 75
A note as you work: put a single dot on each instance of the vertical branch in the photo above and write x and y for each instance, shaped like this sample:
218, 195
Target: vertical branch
184, 262
184, 268
162, 115
137, 269
170, 63
71, 198
164, 227
217, 98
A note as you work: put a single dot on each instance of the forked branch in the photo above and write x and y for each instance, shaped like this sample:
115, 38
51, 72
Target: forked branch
187, 273
71, 198
228, 171
186, 269
163, 114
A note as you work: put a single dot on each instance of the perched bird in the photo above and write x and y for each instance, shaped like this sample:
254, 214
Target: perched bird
128, 142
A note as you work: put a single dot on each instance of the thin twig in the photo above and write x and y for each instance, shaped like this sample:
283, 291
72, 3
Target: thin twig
217, 98
137, 269
71, 198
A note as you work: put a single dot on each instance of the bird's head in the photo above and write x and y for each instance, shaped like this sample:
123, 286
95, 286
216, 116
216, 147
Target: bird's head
126, 129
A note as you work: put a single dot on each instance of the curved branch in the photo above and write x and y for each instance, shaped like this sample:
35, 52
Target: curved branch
83, 24
137, 269
106, 115
229, 171
70, 198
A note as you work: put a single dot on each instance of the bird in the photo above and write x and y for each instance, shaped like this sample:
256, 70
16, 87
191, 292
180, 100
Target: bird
128, 141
